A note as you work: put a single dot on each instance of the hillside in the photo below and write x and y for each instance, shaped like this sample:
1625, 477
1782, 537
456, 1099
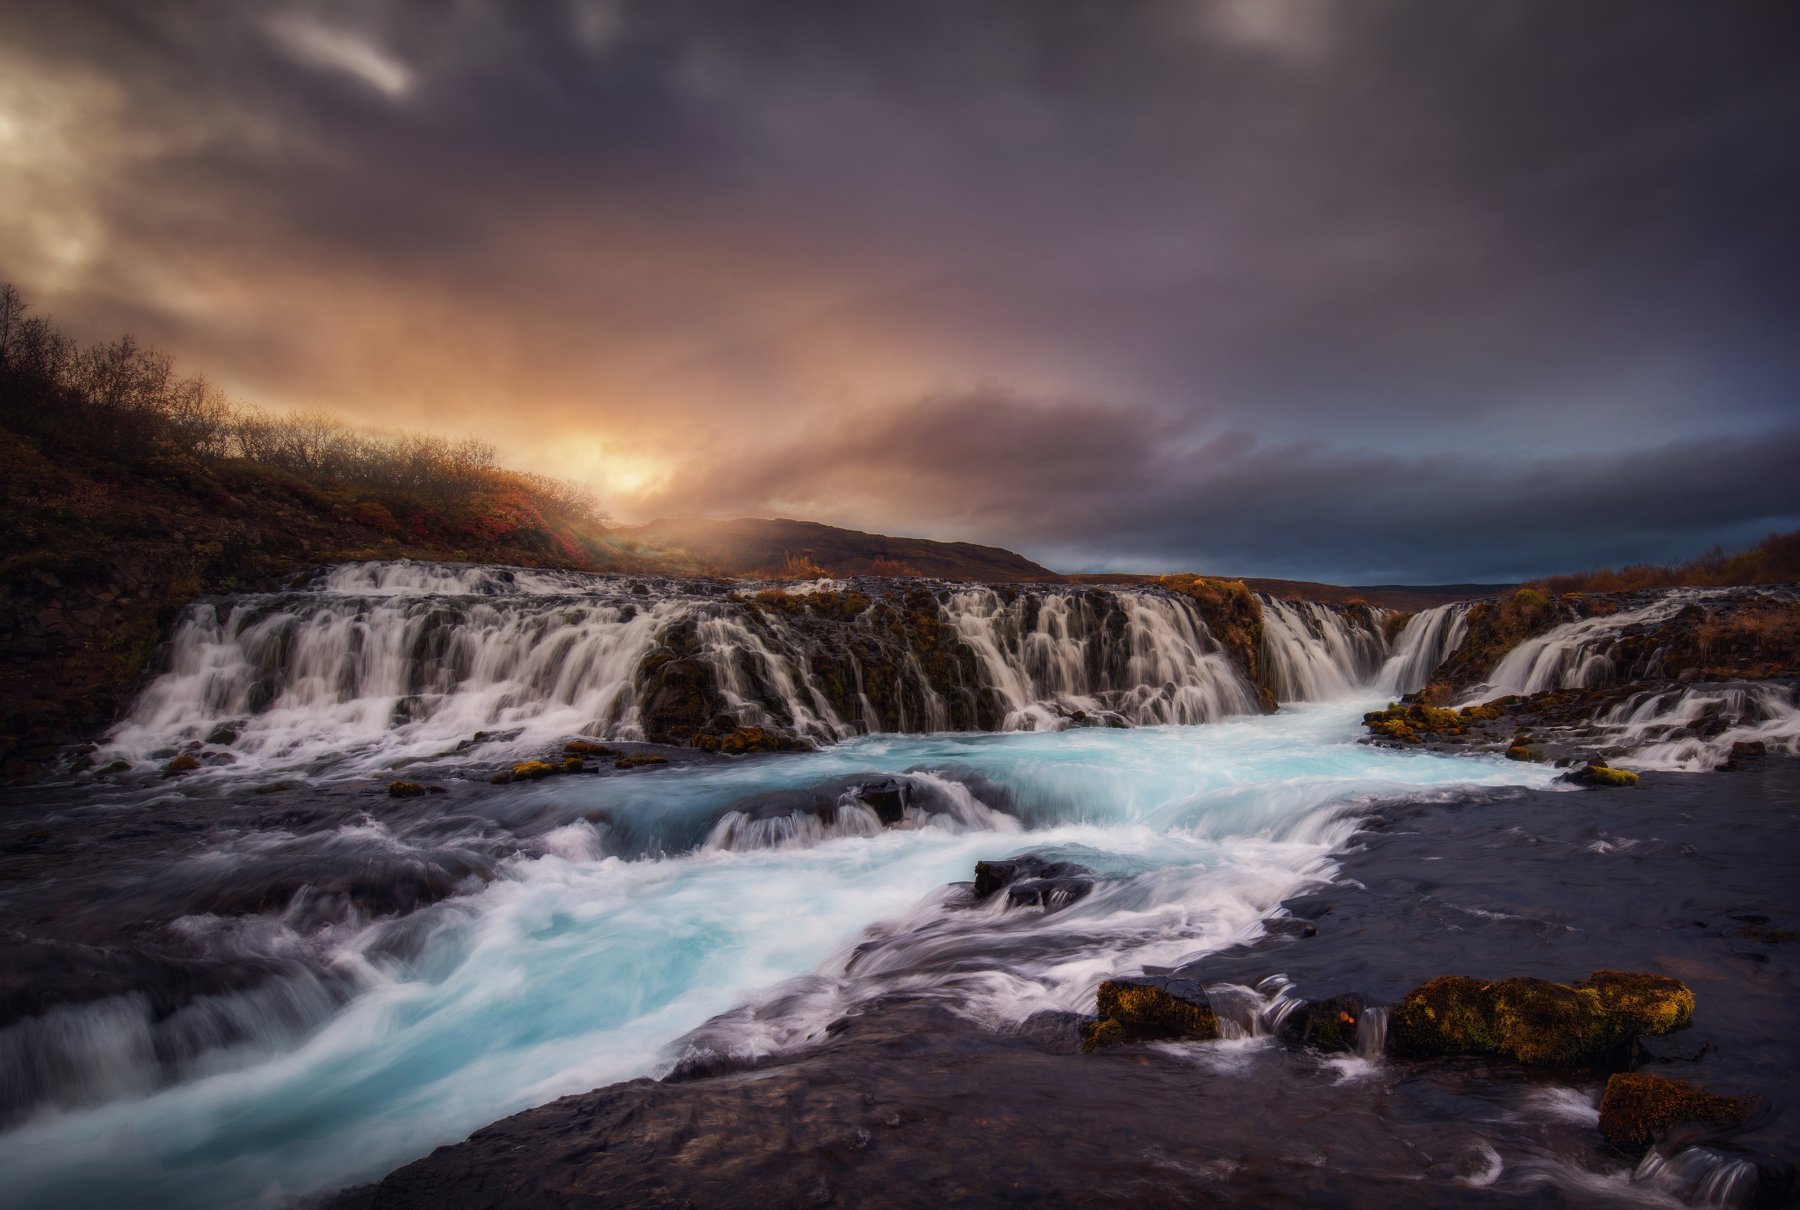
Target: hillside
747, 546
1408, 598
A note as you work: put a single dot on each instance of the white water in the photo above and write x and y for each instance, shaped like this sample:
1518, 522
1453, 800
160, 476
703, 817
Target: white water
374, 665
575, 969
1312, 652
1663, 728
1427, 640
1579, 654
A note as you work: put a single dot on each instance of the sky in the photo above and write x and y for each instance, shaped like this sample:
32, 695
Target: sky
1350, 290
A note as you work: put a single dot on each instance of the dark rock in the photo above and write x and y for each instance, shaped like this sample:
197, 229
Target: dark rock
1535, 1021
991, 876
640, 761
889, 799
1637, 1107
1048, 893
405, 789
1148, 1008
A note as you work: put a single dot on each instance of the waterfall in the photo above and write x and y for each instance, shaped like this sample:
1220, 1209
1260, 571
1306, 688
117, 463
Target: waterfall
1692, 729
1311, 651
1426, 641
379, 664
1580, 654
1062, 657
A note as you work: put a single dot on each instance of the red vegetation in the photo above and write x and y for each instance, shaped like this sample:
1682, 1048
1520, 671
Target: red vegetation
1774, 560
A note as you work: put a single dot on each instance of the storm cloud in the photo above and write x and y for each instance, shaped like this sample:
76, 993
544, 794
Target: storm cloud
1374, 291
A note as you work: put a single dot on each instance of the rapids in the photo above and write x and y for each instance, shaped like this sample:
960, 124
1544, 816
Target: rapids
616, 949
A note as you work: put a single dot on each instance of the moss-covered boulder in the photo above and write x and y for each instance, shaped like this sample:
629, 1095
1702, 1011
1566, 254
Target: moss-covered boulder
643, 760
1636, 1107
1137, 1010
1600, 777
405, 789
531, 770
1535, 1021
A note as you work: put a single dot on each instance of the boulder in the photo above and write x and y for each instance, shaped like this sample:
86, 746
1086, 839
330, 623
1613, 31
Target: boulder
888, 798
1598, 776
1149, 1008
1534, 1021
1636, 1108
991, 876
405, 789
1048, 893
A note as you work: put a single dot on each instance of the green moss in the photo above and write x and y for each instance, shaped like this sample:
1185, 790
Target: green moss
1130, 1010
528, 770
1635, 1107
1602, 777
1535, 1021
1647, 1004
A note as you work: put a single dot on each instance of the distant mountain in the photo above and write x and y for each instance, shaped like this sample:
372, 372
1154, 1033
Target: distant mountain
752, 545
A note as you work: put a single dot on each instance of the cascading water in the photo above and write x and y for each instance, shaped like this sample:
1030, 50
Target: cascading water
1053, 658
1581, 654
1695, 728
375, 665
1312, 652
1426, 641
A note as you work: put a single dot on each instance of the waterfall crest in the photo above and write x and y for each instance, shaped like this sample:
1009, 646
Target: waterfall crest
378, 663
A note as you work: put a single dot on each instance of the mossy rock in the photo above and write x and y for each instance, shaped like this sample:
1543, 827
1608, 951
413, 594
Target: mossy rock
405, 789
1535, 1021
639, 762
1146, 1009
749, 739
531, 770
1645, 1004
187, 762
1601, 777
584, 747
1519, 752
1636, 1107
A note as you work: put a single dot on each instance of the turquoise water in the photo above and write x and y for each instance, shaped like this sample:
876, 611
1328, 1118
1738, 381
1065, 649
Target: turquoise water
576, 969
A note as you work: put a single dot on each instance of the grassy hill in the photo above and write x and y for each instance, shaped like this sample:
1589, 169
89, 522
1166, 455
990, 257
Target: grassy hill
751, 546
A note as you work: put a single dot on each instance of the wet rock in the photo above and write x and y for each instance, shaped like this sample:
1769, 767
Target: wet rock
187, 762
1637, 1107
1681, 1048
749, 739
1598, 776
1048, 893
641, 761
1328, 1025
1289, 926
991, 876
1537, 1022
531, 770
889, 799
224, 734
1149, 1008
405, 789
1307, 907
582, 747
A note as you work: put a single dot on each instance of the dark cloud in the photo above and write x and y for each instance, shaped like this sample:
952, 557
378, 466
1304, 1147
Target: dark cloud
1089, 278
